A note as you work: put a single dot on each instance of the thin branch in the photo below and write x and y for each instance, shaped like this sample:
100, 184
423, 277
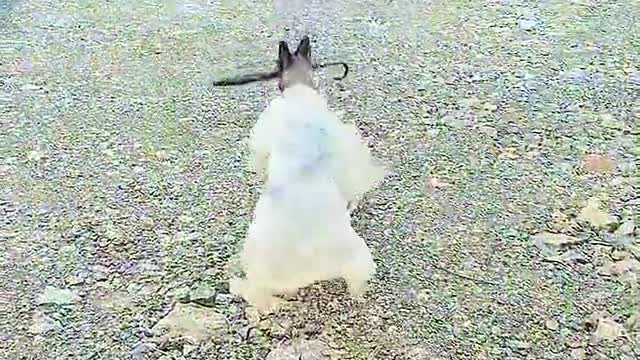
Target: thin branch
487, 282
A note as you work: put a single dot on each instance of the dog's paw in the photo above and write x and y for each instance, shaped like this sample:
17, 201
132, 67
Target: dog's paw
257, 297
290, 294
357, 289
258, 163
267, 304
358, 299
358, 276
352, 206
237, 287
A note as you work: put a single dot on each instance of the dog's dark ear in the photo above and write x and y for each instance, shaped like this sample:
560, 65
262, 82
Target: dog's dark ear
304, 48
284, 56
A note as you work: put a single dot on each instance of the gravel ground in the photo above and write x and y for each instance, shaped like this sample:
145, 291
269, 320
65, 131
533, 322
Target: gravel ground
505, 231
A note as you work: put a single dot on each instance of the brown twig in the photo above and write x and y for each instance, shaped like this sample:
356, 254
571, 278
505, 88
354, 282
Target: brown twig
487, 282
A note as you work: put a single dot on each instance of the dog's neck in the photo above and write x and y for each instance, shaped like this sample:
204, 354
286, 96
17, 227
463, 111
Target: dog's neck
292, 80
299, 89
308, 94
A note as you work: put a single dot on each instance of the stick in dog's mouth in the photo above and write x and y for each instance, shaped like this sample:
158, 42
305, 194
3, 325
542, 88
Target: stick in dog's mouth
344, 66
246, 79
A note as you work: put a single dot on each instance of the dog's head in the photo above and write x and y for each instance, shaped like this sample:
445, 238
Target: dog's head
295, 68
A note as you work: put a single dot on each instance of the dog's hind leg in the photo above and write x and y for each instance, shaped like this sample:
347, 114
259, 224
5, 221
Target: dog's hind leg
255, 294
352, 205
359, 270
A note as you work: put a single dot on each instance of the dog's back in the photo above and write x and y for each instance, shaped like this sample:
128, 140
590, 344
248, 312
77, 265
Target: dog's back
301, 231
306, 135
301, 127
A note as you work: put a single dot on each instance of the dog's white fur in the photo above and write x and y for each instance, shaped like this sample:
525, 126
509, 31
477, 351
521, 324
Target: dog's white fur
301, 232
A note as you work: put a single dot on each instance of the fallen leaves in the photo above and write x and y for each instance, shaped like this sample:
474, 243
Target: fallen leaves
35, 155
569, 256
204, 294
424, 296
598, 164
489, 107
605, 328
161, 155
42, 323
549, 244
191, 322
616, 268
53, 295
528, 24
300, 349
561, 223
609, 121
551, 324
556, 240
436, 183
596, 217
118, 301
18, 67
621, 259
578, 354
633, 322
634, 250
509, 153
626, 228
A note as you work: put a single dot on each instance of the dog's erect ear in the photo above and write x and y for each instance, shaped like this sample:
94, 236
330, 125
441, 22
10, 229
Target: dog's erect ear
304, 48
284, 56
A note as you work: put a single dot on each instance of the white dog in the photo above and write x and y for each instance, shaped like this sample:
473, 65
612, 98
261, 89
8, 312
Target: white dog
316, 168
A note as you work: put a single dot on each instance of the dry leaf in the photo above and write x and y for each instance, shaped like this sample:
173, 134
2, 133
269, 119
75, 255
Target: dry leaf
472, 102
620, 267
574, 343
21, 66
35, 155
607, 329
633, 322
423, 296
53, 295
562, 223
551, 324
488, 106
161, 155
598, 164
592, 214
609, 121
578, 354
557, 240
509, 153
626, 228
118, 301
300, 349
635, 250
185, 219
187, 349
520, 345
629, 278
569, 256
437, 184
191, 322
419, 353
619, 255
43, 323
